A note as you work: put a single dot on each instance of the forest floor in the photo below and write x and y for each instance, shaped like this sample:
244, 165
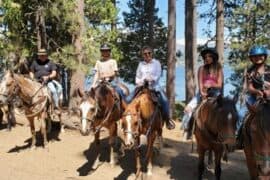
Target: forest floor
70, 156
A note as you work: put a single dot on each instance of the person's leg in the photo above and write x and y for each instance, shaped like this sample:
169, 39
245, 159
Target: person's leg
166, 110
130, 96
189, 110
53, 90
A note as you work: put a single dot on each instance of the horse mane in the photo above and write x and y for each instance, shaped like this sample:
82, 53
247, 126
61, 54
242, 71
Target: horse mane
261, 118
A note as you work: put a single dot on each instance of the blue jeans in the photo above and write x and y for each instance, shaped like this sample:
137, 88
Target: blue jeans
56, 90
243, 110
212, 92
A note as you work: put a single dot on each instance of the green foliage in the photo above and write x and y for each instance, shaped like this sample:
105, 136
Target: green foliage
136, 35
18, 22
248, 25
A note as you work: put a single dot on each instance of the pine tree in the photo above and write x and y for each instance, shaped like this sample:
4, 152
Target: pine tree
138, 34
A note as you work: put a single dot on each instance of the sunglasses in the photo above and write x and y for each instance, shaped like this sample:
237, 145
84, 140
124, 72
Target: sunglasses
147, 53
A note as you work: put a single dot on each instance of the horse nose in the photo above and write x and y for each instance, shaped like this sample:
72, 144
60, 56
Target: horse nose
84, 132
264, 170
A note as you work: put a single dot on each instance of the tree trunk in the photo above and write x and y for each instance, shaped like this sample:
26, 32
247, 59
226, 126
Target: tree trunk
190, 47
220, 30
40, 28
171, 55
113, 25
77, 75
151, 4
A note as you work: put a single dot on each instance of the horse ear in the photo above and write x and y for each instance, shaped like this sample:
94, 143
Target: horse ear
251, 108
80, 93
92, 92
219, 100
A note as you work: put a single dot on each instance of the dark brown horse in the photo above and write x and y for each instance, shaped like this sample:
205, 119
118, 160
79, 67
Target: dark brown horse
101, 107
141, 123
215, 125
257, 140
35, 97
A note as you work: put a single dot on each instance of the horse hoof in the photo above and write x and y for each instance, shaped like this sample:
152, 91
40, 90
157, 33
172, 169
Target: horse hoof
149, 173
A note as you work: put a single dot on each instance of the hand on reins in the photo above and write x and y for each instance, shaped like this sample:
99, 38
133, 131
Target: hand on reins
45, 79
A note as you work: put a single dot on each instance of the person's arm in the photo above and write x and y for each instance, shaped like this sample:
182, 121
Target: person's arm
202, 89
157, 73
139, 77
96, 76
251, 89
220, 78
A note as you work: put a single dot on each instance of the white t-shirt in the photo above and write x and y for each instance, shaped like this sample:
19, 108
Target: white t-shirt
104, 69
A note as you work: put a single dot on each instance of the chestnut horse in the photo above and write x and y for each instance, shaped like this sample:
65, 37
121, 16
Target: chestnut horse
101, 107
141, 123
215, 125
257, 140
35, 97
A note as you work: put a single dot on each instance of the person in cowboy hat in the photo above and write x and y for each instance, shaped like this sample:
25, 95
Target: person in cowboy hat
107, 68
210, 81
45, 71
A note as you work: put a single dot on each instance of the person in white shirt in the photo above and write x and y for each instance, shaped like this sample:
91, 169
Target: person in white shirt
150, 70
107, 68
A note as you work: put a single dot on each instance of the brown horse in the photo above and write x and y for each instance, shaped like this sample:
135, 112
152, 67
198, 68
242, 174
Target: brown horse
141, 123
101, 107
35, 97
257, 140
215, 124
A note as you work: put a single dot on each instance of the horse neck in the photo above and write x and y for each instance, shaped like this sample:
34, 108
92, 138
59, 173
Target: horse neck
261, 120
147, 106
27, 88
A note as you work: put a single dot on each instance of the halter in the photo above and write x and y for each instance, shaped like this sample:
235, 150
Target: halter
137, 133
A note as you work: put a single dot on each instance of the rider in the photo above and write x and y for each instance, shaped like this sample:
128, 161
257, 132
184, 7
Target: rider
45, 71
210, 80
256, 82
107, 68
150, 70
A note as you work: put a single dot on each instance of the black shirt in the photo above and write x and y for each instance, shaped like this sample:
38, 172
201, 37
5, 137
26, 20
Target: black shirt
258, 79
40, 68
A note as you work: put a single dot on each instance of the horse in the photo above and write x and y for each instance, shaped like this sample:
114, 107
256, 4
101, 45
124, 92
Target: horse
141, 123
215, 125
101, 107
256, 134
36, 101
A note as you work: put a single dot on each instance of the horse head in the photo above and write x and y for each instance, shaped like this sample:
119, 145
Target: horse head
8, 87
87, 109
131, 123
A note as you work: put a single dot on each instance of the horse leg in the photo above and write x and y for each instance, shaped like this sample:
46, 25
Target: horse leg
251, 163
201, 152
218, 156
210, 159
97, 143
43, 128
62, 126
138, 163
113, 134
149, 153
33, 132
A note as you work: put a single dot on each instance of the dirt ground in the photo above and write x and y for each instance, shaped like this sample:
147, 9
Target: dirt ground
70, 157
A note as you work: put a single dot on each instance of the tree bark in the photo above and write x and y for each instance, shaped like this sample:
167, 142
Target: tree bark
171, 55
190, 47
220, 30
77, 75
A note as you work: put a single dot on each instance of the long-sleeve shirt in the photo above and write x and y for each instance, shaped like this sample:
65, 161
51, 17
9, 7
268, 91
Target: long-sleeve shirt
146, 71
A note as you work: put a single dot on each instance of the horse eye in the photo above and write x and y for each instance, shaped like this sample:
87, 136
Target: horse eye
92, 109
136, 123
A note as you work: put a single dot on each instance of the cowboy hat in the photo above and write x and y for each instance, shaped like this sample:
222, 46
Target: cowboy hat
42, 52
